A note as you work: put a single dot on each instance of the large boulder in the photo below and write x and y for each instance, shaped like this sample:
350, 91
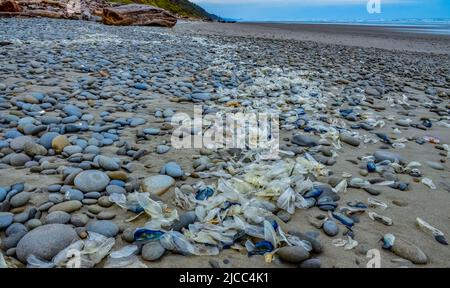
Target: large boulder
45, 241
9, 6
137, 14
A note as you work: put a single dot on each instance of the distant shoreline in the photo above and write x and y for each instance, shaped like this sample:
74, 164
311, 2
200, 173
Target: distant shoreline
398, 38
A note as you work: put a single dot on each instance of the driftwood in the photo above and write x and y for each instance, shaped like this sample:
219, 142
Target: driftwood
136, 14
133, 14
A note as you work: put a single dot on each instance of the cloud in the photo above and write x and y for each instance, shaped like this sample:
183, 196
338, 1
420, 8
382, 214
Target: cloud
299, 2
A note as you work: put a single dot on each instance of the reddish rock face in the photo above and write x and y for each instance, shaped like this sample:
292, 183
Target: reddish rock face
135, 14
9, 6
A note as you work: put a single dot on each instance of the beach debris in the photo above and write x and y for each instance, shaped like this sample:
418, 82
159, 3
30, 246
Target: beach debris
429, 183
375, 203
436, 233
382, 219
348, 243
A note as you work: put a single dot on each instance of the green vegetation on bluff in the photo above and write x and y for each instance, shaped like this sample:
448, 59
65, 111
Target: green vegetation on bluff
182, 8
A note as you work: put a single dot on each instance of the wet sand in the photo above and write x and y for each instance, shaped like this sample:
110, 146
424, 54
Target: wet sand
389, 38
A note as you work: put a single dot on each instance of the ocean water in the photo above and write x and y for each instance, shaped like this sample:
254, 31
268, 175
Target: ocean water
423, 26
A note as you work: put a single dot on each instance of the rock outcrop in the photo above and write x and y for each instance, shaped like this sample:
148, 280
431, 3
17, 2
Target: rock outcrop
95, 10
63, 9
136, 14
9, 6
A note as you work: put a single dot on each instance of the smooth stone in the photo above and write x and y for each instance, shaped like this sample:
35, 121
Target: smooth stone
112, 189
158, 184
381, 155
201, 96
33, 149
11, 252
57, 217
313, 263
117, 175
47, 138
104, 202
21, 217
409, 251
12, 240
162, 149
59, 143
2, 194
72, 110
31, 129
54, 188
74, 194
349, 140
128, 235
79, 220
47, 120
372, 191
293, 254
435, 165
6, 219
56, 198
15, 228
141, 86
136, 122
172, 169
88, 201
11, 134
18, 143
151, 131
152, 251
91, 149
45, 206
403, 123
304, 141
33, 223
372, 92
184, 220
92, 195
363, 172
20, 159
91, 181
187, 189
95, 209
119, 183
330, 228
400, 203
107, 163
20, 199
45, 241
72, 149
106, 215
68, 206
104, 227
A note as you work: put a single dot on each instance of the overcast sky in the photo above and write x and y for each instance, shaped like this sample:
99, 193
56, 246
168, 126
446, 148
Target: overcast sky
285, 10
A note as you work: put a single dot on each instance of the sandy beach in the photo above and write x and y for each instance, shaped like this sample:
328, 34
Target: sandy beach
382, 37
351, 80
